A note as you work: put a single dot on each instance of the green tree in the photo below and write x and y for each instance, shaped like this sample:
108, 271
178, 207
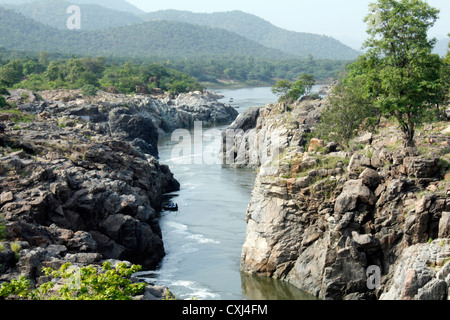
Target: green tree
53, 72
2, 101
350, 108
43, 58
402, 72
308, 81
297, 90
89, 90
11, 73
282, 88
289, 91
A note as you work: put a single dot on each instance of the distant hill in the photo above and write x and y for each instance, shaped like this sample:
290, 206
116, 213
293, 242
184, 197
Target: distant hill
263, 32
149, 39
94, 17
120, 5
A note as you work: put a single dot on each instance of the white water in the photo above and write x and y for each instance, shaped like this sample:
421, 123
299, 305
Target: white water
203, 240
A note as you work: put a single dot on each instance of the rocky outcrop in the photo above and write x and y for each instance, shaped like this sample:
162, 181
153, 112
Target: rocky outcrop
322, 220
167, 113
138, 119
259, 136
81, 182
84, 195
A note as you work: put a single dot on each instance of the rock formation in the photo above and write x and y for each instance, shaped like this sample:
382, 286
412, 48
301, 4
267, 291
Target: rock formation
81, 182
322, 220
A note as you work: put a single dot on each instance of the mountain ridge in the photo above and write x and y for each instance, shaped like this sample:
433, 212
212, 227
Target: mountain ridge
262, 31
120, 5
149, 39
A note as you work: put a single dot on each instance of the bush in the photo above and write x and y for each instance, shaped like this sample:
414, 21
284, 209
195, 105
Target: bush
86, 283
3, 102
3, 232
89, 90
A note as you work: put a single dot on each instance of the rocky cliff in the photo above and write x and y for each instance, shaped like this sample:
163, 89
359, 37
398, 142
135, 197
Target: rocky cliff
80, 181
366, 223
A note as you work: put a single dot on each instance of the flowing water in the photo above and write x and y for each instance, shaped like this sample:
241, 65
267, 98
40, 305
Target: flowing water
203, 240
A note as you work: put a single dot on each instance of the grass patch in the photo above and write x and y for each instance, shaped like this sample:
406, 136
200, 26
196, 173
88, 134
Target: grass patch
18, 116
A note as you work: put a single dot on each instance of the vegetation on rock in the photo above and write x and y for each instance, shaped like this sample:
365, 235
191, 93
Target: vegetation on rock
78, 283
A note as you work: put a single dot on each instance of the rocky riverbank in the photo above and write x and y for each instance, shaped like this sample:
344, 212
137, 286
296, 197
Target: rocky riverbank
80, 181
323, 219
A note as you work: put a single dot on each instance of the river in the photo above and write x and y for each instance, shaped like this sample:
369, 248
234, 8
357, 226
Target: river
203, 240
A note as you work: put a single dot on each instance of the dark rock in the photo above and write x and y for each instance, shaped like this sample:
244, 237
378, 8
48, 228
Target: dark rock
136, 128
370, 178
353, 194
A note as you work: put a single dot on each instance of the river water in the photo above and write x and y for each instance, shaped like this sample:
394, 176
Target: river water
203, 240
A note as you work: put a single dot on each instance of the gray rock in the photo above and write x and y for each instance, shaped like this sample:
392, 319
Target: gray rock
353, 194
370, 178
444, 225
366, 242
434, 290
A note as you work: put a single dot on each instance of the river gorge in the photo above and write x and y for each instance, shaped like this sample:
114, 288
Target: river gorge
203, 241
85, 178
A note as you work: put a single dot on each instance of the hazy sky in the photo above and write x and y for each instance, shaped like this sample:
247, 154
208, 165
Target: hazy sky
342, 19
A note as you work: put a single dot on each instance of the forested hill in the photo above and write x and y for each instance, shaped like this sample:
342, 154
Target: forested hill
262, 31
94, 17
120, 5
149, 39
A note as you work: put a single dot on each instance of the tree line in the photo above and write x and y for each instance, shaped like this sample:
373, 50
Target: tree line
92, 74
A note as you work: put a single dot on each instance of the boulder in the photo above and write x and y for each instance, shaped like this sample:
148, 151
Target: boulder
315, 144
370, 178
5, 197
444, 225
353, 194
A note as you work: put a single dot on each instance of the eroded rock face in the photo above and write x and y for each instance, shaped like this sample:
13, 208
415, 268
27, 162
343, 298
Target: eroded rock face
86, 184
320, 220
111, 192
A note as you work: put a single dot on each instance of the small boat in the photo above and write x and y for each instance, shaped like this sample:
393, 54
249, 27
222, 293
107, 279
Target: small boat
231, 100
171, 207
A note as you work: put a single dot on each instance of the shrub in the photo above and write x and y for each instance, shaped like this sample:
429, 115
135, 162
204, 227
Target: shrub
2, 229
3, 102
86, 283
89, 90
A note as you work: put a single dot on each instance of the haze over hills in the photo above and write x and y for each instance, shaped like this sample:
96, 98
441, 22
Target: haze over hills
149, 39
262, 31
94, 17
120, 5
102, 14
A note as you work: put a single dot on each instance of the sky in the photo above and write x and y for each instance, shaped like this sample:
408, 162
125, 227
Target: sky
341, 19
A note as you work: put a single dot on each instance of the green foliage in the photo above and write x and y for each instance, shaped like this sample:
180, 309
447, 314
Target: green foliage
164, 39
263, 32
20, 289
11, 73
290, 91
19, 116
91, 74
350, 109
3, 103
401, 71
237, 68
86, 283
3, 232
308, 81
282, 88
89, 90
15, 246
